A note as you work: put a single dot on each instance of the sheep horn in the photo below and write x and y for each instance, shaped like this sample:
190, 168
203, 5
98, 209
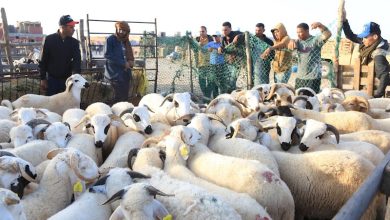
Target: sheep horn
334, 130
185, 116
6, 153
129, 110
339, 91
73, 163
169, 96
118, 195
194, 105
257, 125
237, 130
149, 109
15, 112
274, 87
40, 112
101, 181
41, 133
132, 153
69, 87
11, 199
152, 140
243, 104
153, 192
235, 103
194, 97
216, 117
116, 118
212, 103
134, 174
5, 165
35, 122
84, 119
299, 93
51, 154
300, 97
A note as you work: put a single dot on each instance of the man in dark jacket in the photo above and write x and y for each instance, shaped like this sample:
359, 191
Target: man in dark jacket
60, 57
372, 47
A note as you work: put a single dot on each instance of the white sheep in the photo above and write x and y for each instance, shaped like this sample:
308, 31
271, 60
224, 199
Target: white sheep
98, 108
137, 119
190, 201
178, 146
381, 103
321, 182
138, 202
58, 103
10, 207
235, 147
34, 152
64, 175
86, 144
246, 176
225, 107
5, 128
120, 107
381, 139
357, 121
5, 112
73, 117
126, 142
20, 135
316, 137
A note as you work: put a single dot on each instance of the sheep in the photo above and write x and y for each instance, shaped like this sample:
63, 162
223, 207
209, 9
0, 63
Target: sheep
263, 88
357, 121
58, 103
177, 145
126, 142
250, 99
244, 176
381, 139
86, 144
225, 107
73, 117
119, 107
93, 199
321, 182
306, 91
5, 112
236, 147
137, 119
16, 174
5, 128
67, 169
10, 207
34, 152
283, 93
190, 201
98, 108
315, 136
20, 135
381, 103
360, 93
307, 102
138, 202
57, 132
24, 115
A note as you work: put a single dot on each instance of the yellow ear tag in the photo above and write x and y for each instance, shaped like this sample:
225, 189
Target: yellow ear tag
184, 151
168, 217
78, 187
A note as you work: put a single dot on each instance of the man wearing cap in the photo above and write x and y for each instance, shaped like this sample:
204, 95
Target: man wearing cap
372, 47
60, 57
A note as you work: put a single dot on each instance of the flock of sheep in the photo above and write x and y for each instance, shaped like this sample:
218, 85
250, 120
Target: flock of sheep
266, 153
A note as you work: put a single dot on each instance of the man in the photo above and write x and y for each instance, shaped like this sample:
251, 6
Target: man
119, 61
372, 47
262, 67
229, 36
309, 55
60, 57
203, 63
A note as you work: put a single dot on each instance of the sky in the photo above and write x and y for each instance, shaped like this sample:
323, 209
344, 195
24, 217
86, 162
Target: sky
181, 16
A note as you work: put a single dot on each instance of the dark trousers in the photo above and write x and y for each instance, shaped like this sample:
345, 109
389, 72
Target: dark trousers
121, 86
55, 86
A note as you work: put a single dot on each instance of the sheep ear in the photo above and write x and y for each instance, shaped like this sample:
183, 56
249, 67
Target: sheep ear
39, 111
118, 195
149, 109
6, 153
67, 124
134, 174
101, 181
51, 154
11, 199
41, 133
153, 192
163, 155
12, 114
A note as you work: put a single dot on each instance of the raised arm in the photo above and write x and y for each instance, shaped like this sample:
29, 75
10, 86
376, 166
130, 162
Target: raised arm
325, 33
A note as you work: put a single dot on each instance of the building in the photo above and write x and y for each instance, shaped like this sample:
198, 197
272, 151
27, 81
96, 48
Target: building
25, 31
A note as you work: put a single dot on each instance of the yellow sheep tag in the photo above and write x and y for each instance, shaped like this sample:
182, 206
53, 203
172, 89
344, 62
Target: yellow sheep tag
168, 217
78, 187
184, 151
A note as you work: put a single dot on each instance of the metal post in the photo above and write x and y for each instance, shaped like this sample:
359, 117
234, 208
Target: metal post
6, 39
89, 43
248, 60
156, 48
190, 57
82, 42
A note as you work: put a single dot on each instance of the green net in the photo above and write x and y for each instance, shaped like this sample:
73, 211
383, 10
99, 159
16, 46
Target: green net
186, 66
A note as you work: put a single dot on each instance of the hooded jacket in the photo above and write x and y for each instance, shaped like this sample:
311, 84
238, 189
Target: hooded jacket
283, 56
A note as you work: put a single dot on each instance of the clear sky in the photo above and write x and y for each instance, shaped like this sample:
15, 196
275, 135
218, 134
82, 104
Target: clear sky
180, 15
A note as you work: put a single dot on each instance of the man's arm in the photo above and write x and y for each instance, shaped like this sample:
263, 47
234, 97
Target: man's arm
349, 34
44, 60
381, 65
325, 33
76, 63
109, 52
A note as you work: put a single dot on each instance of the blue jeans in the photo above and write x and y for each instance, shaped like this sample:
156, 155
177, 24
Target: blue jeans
55, 86
261, 69
282, 77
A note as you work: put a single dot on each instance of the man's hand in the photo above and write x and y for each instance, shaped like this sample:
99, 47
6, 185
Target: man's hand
219, 50
131, 63
292, 45
343, 15
43, 85
235, 39
265, 53
317, 25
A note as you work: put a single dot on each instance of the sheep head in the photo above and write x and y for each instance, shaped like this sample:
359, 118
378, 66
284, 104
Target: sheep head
21, 134
82, 165
76, 81
138, 118
244, 128
58, 133
356, 103
314, 134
